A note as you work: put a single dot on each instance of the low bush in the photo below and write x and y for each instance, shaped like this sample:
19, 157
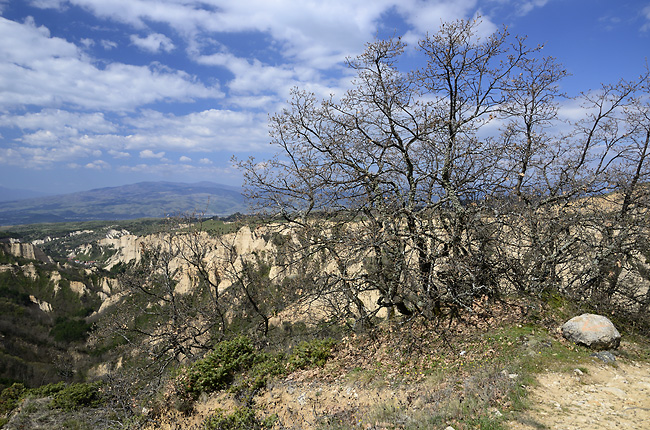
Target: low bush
216, 371
10, 397
47, 390
265, 366
75, 396
312, 353
243, 418
69, 330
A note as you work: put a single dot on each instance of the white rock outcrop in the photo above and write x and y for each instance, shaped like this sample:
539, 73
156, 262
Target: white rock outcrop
79, 288
44, 306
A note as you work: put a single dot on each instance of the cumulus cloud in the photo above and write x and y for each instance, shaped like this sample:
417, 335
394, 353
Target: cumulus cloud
154, 43
187, 170
38, 69
427, 16
210, 130
319, 34
147, 153
66, 106
58, 121
108, 44
98, 165
39, 157
119, 154
87, 42
251, 76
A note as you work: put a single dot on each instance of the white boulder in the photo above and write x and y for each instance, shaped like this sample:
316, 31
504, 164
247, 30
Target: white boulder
593, 331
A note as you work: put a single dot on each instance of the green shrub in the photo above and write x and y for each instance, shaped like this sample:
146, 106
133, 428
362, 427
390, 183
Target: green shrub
75, 396
243, 418
66, 330
265, 366
312, 353
10, 397
47, 390
217, 370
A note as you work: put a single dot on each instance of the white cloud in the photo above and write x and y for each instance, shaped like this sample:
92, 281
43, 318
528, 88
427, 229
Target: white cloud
67, 136
48, 71
87, 42
318, 34
211, 130
40, 138
11, 157
251, 76
426, 16
92, 104
646, 14
98, 165
108, 44
38, 157
60, 121
154, 42
525, 7
185, 170
119, 154
47, 4
147, 153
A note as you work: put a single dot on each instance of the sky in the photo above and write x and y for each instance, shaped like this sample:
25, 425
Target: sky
100, 93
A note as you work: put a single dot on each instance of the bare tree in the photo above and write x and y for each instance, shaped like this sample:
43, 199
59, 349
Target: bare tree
402, 191
381, 184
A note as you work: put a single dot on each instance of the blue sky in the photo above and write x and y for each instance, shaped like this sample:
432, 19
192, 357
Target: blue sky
97, 93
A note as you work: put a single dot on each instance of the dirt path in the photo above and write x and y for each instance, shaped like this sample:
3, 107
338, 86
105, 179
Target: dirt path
602, 397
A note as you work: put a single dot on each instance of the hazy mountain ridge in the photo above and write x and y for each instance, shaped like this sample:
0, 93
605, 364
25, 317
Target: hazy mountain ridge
12, 194
141, 200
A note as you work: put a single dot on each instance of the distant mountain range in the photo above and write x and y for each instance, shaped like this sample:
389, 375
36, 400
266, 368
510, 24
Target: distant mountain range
141, 200
9, 194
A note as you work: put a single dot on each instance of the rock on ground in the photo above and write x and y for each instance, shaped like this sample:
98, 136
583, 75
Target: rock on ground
593, 331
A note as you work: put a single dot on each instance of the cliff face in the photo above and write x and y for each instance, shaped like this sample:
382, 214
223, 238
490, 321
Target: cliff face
244, 243
25, 250
129, 247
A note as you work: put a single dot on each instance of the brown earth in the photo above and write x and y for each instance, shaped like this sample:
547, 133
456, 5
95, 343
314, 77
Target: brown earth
371, 385
595, 396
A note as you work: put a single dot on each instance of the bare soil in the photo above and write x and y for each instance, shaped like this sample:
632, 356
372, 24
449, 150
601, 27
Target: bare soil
596, 396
